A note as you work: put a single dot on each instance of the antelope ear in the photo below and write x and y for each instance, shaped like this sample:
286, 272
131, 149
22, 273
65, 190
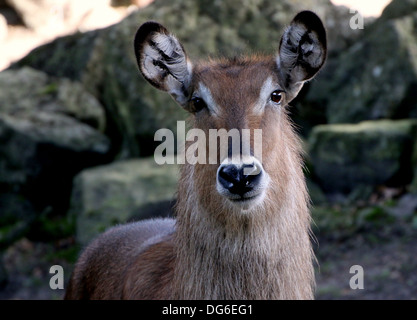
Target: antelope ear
302, 50
162, 60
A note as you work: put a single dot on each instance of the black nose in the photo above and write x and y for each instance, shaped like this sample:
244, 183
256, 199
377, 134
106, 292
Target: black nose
239, 180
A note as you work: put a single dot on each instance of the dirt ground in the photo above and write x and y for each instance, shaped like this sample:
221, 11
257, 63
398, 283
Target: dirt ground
389, 263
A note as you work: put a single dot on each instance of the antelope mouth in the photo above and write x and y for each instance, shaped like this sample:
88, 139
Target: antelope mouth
243, 198
246, 201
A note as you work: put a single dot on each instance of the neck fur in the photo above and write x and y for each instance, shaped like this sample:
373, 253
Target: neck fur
262, 254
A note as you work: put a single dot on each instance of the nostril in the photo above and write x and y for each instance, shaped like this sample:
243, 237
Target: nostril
251, 173
229, 176
239, 180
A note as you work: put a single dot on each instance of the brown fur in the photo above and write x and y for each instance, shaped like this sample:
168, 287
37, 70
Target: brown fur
265, 254
216, 252
213, 249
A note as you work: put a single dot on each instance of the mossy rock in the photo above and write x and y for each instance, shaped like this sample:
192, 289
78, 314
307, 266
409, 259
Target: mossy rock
30, 91
398, 8
370, 153
50, 129
376, 77
107, 195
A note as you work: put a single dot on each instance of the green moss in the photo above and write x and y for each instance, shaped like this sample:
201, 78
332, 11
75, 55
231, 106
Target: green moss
377, 126
51, 88
335, 220
343, 221
12, 232
390, 203
47, 227
329, 290
69, 254
376, 215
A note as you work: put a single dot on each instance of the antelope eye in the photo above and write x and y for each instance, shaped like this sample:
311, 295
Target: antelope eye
276, 96
197, 104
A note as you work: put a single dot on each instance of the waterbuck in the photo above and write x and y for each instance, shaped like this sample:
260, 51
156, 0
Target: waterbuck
242, 226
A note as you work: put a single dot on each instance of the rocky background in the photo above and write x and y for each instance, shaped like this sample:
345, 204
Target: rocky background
77, 123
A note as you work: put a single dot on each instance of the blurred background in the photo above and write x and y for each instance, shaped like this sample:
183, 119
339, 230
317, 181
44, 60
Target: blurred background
77, 123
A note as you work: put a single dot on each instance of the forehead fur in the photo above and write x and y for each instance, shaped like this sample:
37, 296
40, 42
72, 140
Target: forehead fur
240, 75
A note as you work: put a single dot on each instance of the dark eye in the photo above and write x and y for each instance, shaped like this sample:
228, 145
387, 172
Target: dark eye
276, 96
197, 104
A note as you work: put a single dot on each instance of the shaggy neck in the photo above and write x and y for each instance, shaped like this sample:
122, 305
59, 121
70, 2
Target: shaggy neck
263, 254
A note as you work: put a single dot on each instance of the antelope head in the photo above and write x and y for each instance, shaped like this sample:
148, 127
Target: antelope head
231, 95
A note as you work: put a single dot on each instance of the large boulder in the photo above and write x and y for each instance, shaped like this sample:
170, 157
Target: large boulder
116, 193
376, 77
399, 8
50, 129
31, 91
371, 153
104, 61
